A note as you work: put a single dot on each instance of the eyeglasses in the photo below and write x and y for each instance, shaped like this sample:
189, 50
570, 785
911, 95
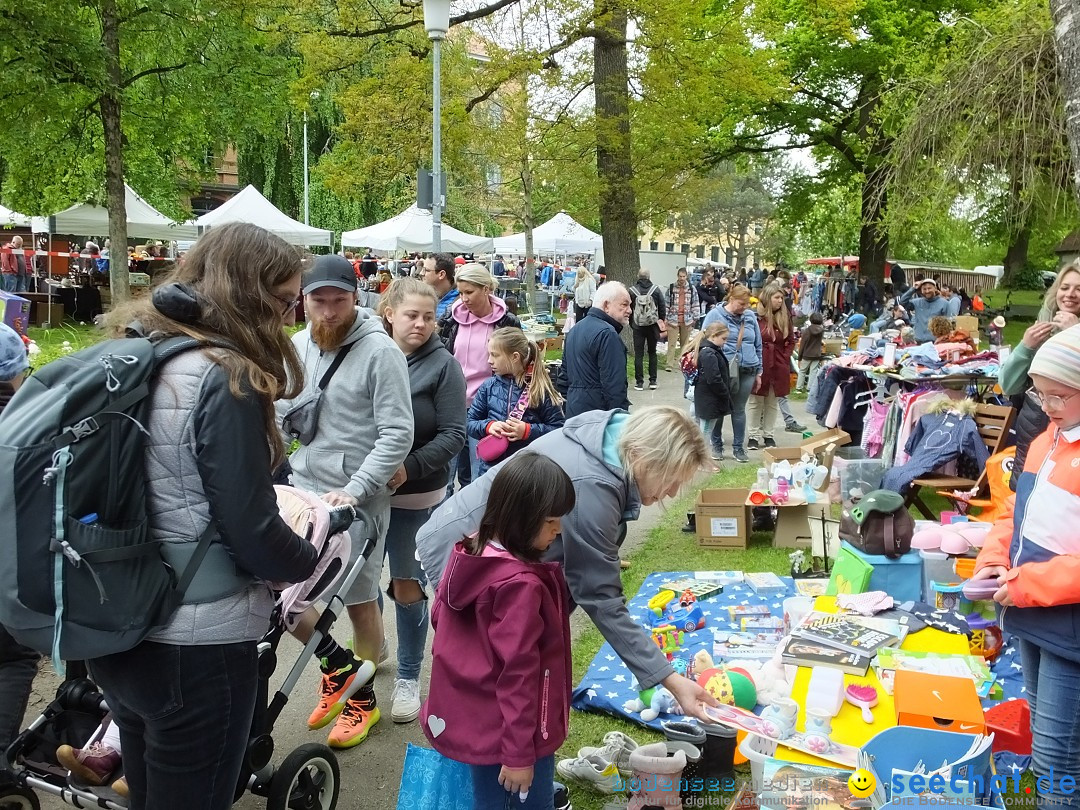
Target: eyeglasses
287, 303
1051, 402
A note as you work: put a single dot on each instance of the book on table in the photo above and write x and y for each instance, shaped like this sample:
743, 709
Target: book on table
803, 652
845, 634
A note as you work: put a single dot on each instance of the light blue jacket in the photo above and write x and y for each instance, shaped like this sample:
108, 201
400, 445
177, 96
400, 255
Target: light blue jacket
750, 350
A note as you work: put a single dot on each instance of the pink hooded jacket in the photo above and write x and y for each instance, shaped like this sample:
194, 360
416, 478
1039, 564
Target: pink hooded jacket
500, 673
470, 346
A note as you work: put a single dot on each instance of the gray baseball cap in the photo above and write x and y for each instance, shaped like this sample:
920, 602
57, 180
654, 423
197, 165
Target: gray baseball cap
330, 271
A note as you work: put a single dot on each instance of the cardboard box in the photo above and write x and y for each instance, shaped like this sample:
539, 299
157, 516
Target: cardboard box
821, 445
833, 346
723, 518
969, 324
14, 311
937, 702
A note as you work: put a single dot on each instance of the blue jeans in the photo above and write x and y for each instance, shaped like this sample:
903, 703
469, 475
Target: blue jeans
8, 282
412, 620
739, 399
185, 717
488, 794
463, 466
1050, 683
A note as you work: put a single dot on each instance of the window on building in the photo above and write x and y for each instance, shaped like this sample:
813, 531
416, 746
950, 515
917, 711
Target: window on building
654, 245
729, 255
669, 247
715, 254
699, 251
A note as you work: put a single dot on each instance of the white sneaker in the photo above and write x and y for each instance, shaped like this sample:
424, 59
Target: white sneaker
617, 748
405, 701
598, 773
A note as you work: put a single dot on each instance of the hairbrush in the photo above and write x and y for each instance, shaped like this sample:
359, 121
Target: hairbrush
863, 697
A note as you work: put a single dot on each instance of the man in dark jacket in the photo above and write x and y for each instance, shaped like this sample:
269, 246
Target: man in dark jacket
707, 290
646, 335
594, 358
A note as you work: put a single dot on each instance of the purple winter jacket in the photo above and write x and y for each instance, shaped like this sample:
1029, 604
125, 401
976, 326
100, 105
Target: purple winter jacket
500, 673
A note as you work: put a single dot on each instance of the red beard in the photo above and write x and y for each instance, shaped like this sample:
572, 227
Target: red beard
328, 337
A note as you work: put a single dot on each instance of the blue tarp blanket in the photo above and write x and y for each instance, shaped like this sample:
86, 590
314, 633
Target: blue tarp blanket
608, 684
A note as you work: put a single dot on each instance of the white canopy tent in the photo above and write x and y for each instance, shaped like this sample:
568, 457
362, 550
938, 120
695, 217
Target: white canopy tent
143, 221
560, 234
251, 206
411, 231
13, 219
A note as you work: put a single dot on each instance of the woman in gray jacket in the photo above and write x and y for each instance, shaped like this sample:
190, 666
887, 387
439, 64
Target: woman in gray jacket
184, 698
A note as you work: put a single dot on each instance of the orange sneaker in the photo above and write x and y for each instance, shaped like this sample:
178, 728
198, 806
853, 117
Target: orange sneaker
356, 720
336, 688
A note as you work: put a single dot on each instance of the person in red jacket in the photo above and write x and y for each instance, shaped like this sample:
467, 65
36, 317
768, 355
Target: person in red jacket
777, 342
499, 699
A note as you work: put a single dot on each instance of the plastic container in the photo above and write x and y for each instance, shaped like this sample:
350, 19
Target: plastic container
864, 475
757, 750
964, 567
937, 566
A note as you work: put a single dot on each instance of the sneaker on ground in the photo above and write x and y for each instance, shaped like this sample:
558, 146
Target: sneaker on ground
770, 442
639, 387
405, 701
92, 765
795, 427
652, 386
356, 720
617, 748
740, 456
717, 456
337, 687
598, 773
562, 797
752, 444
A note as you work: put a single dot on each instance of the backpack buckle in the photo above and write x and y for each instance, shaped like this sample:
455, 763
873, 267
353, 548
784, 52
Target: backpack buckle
84, 428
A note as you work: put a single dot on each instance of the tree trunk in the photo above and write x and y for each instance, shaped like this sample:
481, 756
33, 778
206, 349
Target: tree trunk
873, 238
115, 199
1067, 41
618, 209
1016, 256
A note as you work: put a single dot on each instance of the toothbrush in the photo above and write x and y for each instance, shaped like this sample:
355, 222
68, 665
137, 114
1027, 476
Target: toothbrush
863, 697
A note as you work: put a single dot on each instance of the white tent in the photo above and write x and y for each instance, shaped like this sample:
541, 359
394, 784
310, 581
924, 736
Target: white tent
411, 231
143, 220
9, 218
251, 206
560, 234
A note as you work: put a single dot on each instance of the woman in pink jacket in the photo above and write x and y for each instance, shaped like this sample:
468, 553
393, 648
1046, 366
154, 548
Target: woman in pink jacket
499, 699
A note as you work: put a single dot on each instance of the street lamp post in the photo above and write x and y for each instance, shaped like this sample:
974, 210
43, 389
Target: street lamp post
436, 23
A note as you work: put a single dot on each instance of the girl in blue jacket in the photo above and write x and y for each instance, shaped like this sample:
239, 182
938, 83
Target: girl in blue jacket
519, 402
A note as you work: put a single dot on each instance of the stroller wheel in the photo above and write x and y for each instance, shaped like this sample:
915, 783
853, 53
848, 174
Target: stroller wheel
308, 779
18, 798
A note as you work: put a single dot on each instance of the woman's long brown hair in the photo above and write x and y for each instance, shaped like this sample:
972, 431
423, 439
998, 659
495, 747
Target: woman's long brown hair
233, 270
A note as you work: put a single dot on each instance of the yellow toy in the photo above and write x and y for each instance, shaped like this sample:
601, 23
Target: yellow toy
668, 638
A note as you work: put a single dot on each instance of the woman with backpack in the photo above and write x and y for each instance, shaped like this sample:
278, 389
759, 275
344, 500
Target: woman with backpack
184, 698
647, 321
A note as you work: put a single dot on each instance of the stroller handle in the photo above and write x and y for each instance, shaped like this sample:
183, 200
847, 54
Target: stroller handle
341, 518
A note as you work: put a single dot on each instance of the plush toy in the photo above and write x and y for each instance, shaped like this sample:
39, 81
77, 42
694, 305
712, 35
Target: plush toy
732, 686
650, 703
769, 678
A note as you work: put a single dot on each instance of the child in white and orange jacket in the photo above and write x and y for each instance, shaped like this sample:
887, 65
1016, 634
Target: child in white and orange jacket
1033, 552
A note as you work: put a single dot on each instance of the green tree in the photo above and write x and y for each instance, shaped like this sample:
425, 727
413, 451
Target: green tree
108, 90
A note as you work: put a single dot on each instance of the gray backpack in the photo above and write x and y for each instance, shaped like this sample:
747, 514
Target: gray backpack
81, 577
645, 311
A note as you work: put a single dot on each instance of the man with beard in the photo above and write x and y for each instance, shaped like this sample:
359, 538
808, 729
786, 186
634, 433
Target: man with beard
363, 434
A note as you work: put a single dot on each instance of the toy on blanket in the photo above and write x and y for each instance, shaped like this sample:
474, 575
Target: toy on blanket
733, 686
769, 678
651, 703
684, 614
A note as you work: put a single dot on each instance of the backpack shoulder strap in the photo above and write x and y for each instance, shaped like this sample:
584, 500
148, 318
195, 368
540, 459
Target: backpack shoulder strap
335, 365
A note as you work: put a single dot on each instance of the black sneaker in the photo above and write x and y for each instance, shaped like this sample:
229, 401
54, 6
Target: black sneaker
740, 456
751, 444
795, 427
652, 386
562, 797
639, 387
770, 443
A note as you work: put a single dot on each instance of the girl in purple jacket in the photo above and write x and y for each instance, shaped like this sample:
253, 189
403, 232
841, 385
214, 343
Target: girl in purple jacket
499, 698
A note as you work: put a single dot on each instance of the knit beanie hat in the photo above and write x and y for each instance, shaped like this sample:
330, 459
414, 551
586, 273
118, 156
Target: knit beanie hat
13, 360
1059, 358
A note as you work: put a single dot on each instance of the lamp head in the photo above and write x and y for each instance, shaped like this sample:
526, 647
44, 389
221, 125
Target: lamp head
436, 18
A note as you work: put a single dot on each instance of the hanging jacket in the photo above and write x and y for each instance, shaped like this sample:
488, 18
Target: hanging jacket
938, 438
1036, 539
712, 391
775, 360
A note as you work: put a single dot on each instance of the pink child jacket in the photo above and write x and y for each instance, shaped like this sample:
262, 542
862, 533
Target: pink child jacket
500, 674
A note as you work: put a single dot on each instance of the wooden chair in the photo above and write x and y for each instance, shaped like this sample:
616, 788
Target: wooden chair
993, 423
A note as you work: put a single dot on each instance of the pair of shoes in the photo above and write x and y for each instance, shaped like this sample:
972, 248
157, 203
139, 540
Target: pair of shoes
93, 765
752, 444
405, 701
616, 749
795, 427
639, 387
740, 456
594, 771
652, 386
770, 442
336, 688
356, 720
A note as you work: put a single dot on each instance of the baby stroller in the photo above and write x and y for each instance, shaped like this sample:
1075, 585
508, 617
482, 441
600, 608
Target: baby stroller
307, 779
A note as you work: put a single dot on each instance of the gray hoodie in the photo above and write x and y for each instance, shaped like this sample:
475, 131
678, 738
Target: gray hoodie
588, 547
365, 427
